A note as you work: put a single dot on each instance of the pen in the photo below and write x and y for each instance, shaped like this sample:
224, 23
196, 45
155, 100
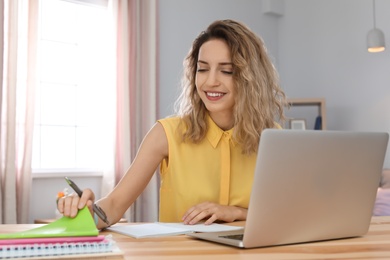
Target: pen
95, 207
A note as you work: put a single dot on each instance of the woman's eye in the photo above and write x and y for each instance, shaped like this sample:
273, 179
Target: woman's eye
227, 72
201, 70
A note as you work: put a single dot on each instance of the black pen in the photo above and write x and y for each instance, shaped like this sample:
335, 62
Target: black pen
95, 207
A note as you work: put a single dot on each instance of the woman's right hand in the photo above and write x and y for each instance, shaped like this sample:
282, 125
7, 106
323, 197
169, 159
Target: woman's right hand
71, 204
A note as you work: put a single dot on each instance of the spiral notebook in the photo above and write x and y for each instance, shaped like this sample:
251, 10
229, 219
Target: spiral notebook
67, 237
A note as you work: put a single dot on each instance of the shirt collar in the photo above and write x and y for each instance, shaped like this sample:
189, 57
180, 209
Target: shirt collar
215, 134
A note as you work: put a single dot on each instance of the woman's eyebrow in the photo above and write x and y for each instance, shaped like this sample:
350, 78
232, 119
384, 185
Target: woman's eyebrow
201, 61
226, 63
221, 63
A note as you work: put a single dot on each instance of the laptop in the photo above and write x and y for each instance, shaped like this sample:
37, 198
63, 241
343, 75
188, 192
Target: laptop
310, 185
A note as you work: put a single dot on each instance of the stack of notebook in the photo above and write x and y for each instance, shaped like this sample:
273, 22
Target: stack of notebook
76, 237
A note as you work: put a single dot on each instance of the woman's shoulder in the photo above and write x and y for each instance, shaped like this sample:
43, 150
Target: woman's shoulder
170, 124
170, 120
173, 128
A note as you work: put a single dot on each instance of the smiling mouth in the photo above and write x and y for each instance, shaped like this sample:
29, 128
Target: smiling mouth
214, 94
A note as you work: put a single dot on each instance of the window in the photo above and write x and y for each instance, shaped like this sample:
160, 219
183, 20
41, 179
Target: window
74, 115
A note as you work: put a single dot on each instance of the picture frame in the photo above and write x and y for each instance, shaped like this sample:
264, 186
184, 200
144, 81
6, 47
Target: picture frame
298, 124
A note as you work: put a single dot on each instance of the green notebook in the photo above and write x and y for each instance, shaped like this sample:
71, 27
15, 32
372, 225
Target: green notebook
82, 225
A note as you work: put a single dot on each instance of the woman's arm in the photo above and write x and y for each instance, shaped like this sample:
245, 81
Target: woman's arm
153, 149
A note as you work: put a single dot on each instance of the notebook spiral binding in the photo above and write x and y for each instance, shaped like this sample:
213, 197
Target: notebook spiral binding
56, 249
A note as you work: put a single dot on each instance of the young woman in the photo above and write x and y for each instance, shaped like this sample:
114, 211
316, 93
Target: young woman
207, 151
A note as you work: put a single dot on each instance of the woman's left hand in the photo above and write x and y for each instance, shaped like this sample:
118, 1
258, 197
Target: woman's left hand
211, 212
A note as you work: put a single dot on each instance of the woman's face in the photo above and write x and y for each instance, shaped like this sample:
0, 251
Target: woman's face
214, 78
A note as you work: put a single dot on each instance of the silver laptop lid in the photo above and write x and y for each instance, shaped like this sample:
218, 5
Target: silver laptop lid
313, 185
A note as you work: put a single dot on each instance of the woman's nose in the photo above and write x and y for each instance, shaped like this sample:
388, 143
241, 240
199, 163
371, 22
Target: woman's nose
212, 79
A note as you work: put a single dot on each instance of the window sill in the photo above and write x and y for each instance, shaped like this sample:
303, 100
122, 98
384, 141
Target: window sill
61, 173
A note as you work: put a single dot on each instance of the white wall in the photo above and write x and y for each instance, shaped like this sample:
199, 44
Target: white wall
46, 186
319, 48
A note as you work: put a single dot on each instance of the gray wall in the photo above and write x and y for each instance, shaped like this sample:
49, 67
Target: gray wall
181, 21
322, 51
319, 48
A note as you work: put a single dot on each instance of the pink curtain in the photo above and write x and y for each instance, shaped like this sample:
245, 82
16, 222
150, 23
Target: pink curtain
19, 20
137, 92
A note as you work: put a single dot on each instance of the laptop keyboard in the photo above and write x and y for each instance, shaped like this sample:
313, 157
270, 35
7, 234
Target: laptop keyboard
236, 237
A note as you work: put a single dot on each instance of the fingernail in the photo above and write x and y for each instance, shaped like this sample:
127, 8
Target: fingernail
74, 213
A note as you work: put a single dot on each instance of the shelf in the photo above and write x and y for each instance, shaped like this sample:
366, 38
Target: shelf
306, 102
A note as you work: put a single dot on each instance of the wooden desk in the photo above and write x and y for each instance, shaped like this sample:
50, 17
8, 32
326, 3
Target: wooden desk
374, 245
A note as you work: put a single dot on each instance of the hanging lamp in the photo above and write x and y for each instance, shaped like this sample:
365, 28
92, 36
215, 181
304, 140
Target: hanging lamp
375, 37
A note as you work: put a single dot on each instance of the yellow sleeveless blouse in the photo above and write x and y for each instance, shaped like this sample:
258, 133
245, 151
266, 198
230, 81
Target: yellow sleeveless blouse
214, 170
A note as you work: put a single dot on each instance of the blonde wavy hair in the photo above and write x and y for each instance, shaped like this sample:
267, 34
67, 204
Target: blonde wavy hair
259, 102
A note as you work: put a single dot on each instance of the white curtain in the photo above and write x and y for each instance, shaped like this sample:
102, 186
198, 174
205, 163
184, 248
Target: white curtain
19, 20
137, 92
136, 102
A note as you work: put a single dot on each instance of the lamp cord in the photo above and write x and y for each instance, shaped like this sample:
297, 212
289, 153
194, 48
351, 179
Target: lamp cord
373, 11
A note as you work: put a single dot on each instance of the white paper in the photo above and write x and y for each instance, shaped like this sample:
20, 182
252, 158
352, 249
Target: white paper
167, 229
